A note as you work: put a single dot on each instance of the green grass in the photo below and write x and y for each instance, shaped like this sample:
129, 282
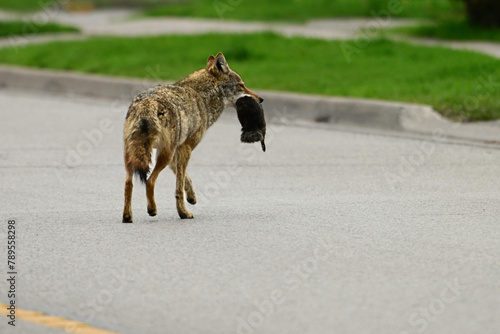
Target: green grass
22, 5
302, 10
39, 5
282, 10
451, 30
450, 80
13, 28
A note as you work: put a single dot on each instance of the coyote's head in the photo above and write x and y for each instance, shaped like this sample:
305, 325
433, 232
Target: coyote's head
229, 81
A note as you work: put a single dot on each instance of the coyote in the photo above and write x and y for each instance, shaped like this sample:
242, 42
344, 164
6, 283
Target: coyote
173, 119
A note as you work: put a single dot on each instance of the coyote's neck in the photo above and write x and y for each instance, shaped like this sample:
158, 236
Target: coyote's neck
206, 86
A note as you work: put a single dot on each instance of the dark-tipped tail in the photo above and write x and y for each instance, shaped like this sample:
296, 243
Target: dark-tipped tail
140, 138
143, 174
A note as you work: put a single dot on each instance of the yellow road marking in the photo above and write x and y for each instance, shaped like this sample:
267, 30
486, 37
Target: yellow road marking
39, 318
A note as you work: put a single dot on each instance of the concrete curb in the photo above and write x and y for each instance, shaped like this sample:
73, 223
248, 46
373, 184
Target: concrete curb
376, 114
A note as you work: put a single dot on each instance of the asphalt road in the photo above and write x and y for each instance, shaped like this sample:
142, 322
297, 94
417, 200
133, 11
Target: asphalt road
332, 230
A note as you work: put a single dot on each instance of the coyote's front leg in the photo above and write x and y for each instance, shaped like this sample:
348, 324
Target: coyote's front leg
183, 155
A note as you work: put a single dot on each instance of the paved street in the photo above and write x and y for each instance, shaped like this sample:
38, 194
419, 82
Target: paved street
332, 230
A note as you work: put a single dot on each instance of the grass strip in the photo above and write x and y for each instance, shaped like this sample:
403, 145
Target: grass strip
302, 10
458, 30
462, 85
18, 28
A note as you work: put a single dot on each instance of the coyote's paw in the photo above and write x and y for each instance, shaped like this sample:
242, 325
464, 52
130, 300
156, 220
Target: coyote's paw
152, 212
186, 215
191, 199
127, 219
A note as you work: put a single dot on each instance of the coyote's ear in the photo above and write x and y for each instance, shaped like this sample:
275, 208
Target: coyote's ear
210, 62
221, 63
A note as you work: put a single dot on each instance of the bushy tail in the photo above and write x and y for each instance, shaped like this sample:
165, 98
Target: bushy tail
140, 137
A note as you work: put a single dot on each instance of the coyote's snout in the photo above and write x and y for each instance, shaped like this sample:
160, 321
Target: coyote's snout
173, 119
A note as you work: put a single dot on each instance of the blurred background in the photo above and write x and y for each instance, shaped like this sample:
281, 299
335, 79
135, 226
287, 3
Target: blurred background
442, 53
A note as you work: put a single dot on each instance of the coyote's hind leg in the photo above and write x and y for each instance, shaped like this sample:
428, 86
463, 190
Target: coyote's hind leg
127, 210
190, 194
162, 161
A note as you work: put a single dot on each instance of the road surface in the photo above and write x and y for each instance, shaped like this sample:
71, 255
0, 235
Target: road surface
332, 230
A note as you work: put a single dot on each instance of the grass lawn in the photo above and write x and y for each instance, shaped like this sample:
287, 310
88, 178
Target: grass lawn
281, 10
23, 5
451, 30
302, 10
39, 5
11, 28
453, 82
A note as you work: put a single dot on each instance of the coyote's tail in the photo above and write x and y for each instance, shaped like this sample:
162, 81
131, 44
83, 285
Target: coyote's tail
140, 135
